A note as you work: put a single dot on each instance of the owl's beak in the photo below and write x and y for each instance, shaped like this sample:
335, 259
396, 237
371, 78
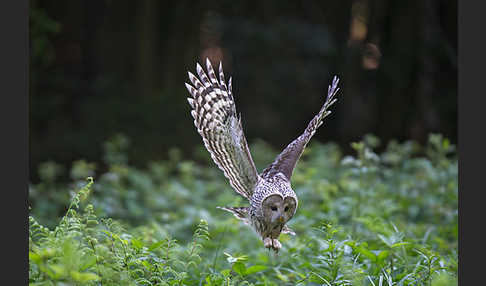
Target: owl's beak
280, 219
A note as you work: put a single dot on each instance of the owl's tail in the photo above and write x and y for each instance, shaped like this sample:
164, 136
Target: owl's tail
240, 213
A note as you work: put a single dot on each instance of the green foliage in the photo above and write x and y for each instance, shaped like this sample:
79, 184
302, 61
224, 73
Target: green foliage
366, 219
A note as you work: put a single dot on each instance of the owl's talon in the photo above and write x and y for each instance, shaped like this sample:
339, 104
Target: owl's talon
272, 243
267, 242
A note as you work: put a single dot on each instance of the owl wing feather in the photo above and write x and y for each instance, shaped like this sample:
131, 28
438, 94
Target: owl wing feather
240, 213
287, 159
214, 113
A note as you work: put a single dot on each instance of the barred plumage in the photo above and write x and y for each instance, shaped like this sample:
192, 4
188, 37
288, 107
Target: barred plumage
215, 118
285, 161
272, 200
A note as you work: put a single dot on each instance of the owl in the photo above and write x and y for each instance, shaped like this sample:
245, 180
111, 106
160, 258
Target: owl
272, 202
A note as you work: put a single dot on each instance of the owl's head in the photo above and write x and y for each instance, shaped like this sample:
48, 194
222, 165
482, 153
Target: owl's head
278, 209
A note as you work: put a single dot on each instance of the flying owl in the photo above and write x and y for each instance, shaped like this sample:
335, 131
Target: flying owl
272, 201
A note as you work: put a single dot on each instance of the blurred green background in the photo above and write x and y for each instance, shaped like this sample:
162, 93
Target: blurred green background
100, 68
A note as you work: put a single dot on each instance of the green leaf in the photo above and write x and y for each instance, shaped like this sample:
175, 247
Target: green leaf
383, 255
400, 244
370, 255
146, 264
239, 267
58, 270
255, 268
155, 245
282, 277
88, 262
446, 144
84, 277
137, 244
34, 257
316, 278
225, 272
386, 240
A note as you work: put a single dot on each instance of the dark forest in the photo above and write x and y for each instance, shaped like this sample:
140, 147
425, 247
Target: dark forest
101, 68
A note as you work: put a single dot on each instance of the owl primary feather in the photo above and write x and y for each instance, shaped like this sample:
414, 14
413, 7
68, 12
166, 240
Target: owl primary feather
272, 201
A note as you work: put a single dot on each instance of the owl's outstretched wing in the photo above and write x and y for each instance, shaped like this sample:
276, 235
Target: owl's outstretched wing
286, 160
214, 112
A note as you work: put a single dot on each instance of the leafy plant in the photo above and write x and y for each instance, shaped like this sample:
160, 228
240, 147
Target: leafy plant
363, 219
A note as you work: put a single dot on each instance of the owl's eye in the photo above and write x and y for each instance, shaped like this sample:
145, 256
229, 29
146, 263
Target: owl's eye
286, 208
274, 208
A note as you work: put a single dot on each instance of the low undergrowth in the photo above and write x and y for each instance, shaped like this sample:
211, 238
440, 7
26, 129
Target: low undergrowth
366, 219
